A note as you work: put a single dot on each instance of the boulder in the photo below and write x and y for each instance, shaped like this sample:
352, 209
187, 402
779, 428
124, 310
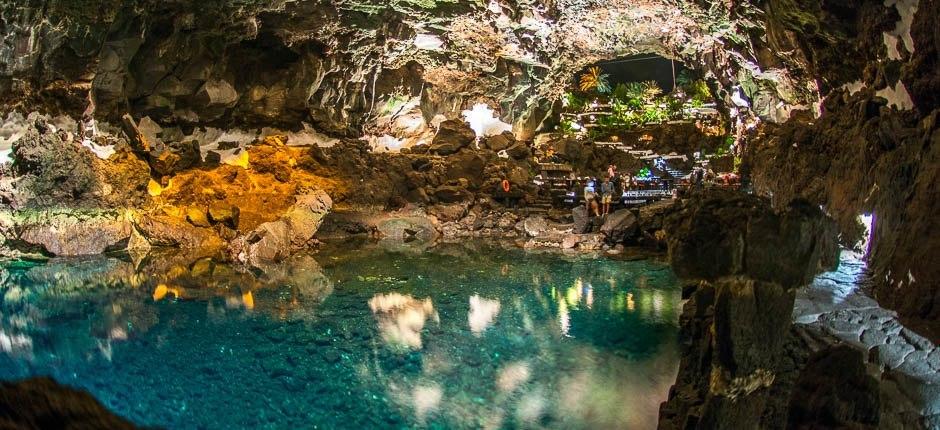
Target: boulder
276, 240
570, 241
534, 226
519, 151
448, 213
619, 226
74, 233
306, 216
407, 226
499, 142
452, 194
582, 222
452, 135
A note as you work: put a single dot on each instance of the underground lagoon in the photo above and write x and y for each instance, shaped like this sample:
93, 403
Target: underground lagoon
469, 214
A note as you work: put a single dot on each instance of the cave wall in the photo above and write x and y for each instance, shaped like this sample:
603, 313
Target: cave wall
874, 149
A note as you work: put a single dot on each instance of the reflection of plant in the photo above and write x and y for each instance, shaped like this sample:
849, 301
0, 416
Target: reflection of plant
595, 80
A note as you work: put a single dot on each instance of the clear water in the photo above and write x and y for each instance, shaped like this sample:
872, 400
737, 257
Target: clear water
361, 336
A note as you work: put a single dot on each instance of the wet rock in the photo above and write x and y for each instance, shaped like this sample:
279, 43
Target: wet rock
74, 233
452, 136
38, 402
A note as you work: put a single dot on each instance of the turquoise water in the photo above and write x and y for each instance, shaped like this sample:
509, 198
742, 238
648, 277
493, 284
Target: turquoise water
360, 336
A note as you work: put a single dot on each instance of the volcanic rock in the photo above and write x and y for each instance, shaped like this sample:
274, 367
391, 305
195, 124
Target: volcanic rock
499, 142
74, 233
41, 403
224, 214
619, 226
727, 235
452, 136
197, 217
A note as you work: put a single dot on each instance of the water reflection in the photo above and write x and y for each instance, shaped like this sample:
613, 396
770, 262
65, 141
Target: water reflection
375, 337
482, 313
401, 318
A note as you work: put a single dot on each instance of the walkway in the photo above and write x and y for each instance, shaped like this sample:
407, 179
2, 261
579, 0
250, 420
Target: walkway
909, 364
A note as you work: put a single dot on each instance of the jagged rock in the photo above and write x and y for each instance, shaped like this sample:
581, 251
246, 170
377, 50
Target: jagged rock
447, 213
534, 226
726, 235
408, 226
197, 217
452, 136
276, 240
41, 402
224, 214
162, 230
519, 151
500, 141
619, 226
582, 222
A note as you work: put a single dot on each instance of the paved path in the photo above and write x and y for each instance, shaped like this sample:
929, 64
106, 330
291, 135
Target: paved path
910, 363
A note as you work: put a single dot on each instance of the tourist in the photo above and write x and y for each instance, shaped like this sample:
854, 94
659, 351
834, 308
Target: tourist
611, 171
607, 194
594, 209
589, 197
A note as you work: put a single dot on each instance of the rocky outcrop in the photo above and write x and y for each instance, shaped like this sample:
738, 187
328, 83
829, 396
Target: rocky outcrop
73, 233
730, 235
276, 240
735, 326
41, 402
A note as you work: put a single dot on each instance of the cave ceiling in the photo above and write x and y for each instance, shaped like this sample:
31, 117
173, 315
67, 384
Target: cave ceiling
335, 64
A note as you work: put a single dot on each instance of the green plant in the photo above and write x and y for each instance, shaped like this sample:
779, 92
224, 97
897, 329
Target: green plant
573, 103
651, 90
595, 80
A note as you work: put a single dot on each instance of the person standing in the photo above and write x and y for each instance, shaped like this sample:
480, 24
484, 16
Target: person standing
589, 197
607, 194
